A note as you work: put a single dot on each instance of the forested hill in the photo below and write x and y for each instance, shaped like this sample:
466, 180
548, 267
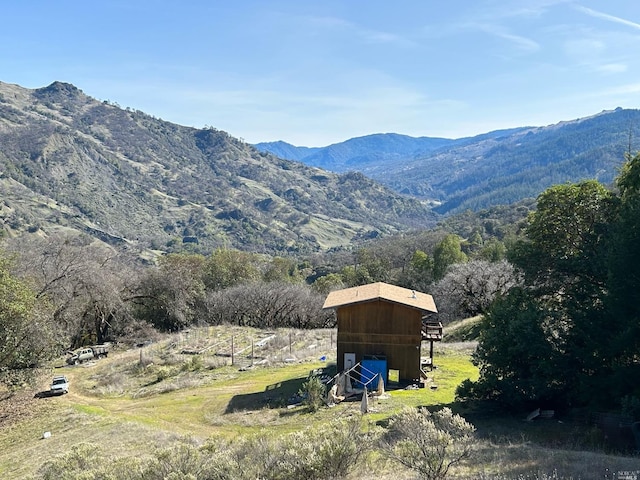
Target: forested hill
495, 168
70, 161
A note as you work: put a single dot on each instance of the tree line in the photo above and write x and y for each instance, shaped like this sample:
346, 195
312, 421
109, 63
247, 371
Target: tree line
62, 292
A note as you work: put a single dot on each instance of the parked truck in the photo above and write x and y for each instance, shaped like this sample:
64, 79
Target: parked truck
59, 385
87, 353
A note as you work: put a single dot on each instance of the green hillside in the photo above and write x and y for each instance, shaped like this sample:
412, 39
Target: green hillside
495, 168
70, 161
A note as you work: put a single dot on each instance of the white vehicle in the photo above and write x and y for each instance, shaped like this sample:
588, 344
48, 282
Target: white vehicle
59, 385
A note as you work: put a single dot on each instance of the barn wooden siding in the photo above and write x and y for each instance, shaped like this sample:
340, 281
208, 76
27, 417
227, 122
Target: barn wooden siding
382, 328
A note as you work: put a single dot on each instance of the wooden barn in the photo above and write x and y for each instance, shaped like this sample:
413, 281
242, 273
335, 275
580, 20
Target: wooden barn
382, 322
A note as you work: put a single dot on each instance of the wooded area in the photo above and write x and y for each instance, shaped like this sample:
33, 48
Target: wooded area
569, 335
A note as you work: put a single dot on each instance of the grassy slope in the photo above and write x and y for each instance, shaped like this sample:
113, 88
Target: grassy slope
463, 330
124, 407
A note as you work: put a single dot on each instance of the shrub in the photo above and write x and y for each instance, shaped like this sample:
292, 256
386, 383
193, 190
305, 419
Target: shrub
326, 453
88, 462
194, 364
179, 462
313, 392
428, 443
631, 406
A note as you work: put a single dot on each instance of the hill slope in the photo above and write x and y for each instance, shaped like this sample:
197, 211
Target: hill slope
70, 161
522, 164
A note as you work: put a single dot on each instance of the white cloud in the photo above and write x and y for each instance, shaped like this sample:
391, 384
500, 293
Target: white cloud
584, 47
628, 89
365, 34
612, 68
605, 16
533, 9
591, 54
522, 43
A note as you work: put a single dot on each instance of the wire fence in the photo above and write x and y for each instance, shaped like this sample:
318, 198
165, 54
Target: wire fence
245, 347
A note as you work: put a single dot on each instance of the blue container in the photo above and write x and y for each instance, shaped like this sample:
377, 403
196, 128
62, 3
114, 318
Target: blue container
369, 370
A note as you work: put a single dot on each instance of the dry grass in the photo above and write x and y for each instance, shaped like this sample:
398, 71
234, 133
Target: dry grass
462, 330
140, 400
524, 460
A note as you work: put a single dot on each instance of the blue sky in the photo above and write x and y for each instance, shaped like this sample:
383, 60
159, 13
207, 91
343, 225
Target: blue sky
319, 72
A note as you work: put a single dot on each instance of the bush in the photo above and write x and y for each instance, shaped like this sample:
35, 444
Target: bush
162, 373
88, 462
428, 443
179, 462
631, 406
323, 454
313, 392
194, 364
326, 453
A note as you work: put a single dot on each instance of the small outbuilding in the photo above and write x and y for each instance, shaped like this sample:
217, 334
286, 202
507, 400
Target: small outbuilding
385, 323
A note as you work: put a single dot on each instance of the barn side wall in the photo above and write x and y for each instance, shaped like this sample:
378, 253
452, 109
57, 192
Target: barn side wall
383, 329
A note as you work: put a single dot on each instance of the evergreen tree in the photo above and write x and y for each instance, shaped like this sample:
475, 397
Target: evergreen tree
560, 342
447, 252
624, 286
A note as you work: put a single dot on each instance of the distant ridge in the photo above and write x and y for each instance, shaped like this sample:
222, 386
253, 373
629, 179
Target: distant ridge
286, 150
495, 168
358, 153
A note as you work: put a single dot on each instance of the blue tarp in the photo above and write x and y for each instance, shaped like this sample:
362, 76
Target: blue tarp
369, 370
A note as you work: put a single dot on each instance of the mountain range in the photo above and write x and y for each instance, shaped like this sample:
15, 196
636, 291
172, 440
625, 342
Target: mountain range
495, 168
71, 162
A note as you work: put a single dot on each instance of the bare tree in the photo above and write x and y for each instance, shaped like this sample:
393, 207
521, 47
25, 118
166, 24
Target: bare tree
468, 289
88, 284
268, 305
171, 295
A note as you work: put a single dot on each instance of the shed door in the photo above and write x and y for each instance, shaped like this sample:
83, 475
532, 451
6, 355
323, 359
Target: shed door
349, 360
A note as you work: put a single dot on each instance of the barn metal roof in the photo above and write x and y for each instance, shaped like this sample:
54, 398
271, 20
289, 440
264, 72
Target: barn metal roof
380, 290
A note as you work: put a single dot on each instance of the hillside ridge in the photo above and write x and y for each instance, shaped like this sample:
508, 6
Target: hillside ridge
69, 161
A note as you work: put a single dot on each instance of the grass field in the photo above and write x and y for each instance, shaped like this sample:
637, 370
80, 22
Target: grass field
139, 400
